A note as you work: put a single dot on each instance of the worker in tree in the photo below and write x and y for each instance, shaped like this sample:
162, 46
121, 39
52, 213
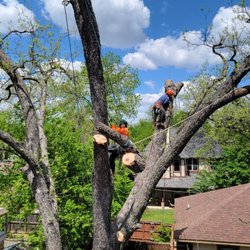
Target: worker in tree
116, 150
122, 129
160, 107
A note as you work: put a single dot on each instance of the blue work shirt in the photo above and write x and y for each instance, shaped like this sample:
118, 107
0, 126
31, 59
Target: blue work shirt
163, 100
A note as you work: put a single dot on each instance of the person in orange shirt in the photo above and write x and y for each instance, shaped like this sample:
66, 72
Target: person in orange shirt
115, 150
122, 129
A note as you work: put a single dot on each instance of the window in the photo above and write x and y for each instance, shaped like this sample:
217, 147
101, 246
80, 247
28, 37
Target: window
177, 165
192, 164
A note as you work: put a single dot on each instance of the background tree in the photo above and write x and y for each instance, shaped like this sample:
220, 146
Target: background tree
121, 81
26, 77
63, 105
108, 235
230, 127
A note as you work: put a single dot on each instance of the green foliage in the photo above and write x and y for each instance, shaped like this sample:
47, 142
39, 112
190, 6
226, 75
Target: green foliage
36, 238
12, 122
230, 127
68, 127
178, 117
199, 90
140, 131
232, 169
121, 81
122, 187
71, 164
163, 234
204, 182
15, 193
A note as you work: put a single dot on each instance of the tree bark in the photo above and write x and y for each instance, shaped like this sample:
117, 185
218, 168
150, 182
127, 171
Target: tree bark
128, 217
30, 152
160, 154
102, 179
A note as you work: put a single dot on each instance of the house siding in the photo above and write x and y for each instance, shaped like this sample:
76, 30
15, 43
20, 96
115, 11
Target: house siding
183, 169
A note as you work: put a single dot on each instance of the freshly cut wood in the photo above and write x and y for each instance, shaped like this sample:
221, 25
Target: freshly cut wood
128, 159
100, 139
134, 162
120, 236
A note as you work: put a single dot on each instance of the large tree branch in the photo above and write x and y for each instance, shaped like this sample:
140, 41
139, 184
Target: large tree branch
227, 85
233, 80
145, 182
122, 140
28, 108
18, 147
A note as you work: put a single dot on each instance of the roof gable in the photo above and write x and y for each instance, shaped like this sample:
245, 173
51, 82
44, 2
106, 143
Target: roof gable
198, 141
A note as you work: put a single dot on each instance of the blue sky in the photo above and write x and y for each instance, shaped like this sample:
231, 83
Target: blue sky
146, 34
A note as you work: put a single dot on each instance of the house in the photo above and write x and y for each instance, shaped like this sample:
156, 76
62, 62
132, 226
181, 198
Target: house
215, 220
3, 214
181, 175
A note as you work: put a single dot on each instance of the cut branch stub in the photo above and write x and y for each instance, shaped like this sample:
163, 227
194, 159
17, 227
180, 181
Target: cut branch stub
134, 162
128, 159
100, 139
120, 236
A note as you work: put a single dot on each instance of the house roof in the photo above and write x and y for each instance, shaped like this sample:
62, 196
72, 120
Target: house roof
219, 217
198, 141
177, 182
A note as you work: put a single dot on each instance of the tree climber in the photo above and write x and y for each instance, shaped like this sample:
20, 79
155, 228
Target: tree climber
116, 150
160, 107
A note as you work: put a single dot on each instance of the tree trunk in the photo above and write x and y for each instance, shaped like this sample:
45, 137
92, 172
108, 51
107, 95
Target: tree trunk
160, 154
102, 179
46, 210
30, 152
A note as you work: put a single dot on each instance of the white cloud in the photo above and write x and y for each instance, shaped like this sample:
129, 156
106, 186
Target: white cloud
150, 84
68, 65
229, 19
169, 51
172, 51
145, 106
54, 10
13, 14
121, 23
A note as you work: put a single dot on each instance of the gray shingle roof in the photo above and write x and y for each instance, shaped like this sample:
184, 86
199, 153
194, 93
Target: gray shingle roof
198, 141
177, 182
220, 216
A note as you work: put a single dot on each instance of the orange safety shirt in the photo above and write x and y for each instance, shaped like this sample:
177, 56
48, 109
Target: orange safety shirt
123, 131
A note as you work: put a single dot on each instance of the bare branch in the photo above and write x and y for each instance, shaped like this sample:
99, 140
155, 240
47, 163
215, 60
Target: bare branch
16, 32
225, 64
233, 48
18, 147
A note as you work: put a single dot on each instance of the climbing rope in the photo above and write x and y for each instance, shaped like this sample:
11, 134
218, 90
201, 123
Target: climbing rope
177, 122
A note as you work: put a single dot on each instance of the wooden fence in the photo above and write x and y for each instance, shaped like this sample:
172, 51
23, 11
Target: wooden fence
23, 226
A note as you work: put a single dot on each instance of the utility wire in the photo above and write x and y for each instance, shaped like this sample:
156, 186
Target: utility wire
65, 3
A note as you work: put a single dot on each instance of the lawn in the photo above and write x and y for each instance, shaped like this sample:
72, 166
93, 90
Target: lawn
159, 215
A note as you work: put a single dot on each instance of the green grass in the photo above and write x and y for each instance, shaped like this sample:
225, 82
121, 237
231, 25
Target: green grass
158, 215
